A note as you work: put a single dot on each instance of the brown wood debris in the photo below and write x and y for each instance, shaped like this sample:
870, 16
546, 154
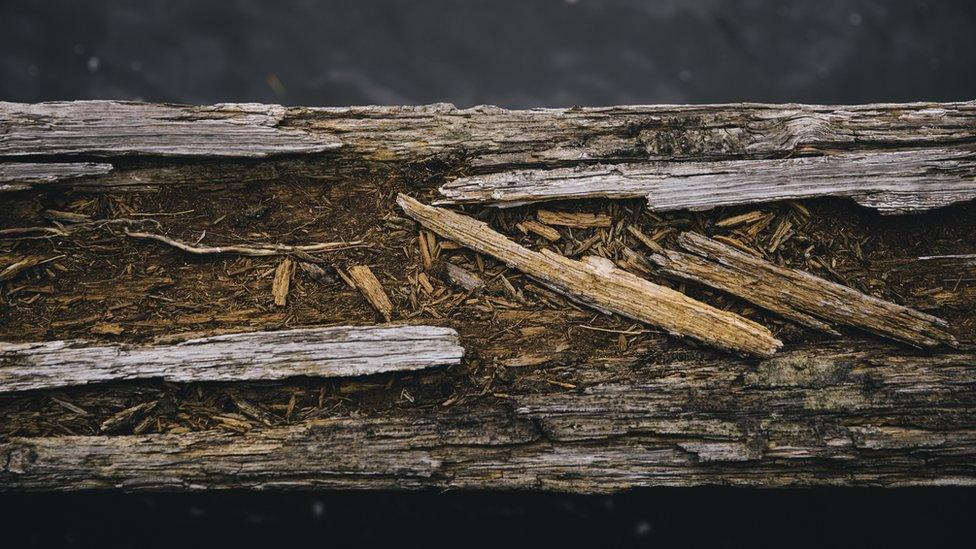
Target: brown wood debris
596, 282
797, 295
576, 220
282, 281
372, 290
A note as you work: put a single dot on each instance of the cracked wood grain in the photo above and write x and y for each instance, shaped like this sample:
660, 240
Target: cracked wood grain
891, 182
486, 139
116, 128
597, 283
20, 176
320, 352
846, 414
797, 295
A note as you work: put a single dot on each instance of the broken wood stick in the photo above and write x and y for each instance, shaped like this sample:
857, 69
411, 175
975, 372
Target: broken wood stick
797, 295
889, 181
596, 282
576, 220
372, 290
252, 250
337, 351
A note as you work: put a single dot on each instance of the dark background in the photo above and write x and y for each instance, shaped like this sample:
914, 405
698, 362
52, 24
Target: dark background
512, 53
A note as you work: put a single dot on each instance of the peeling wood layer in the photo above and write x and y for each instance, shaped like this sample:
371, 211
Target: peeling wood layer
891, 182
597, 283
322, 352
20, 176
115, 128
813, 416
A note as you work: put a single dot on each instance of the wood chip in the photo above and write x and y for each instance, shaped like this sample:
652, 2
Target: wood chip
545, 231
576, 220
596, 282
372, 290
798, 295
282, 281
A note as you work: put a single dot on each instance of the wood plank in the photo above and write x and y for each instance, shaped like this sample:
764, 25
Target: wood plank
116, 128
20, 176
891, 182
853, 414
597, 283
796, 294
320, 352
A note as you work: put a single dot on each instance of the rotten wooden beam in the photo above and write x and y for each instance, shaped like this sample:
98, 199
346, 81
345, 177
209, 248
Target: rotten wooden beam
891, 181
320, 352
843, 414
596, 282
800, 296
489, 139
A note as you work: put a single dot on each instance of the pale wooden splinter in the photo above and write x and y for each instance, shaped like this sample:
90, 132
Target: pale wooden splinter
795, 294
596, 282
282, 282
321, 352
367, 283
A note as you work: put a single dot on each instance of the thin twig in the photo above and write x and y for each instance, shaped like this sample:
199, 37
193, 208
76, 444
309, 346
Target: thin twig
257, 250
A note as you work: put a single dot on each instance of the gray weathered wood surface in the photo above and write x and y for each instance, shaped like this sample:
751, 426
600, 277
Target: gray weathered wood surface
895, 157
20, 176
321, 352
891, 182
853, 414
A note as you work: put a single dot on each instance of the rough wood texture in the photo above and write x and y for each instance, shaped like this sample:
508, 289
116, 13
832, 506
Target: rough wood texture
20, 176
892, 182
813, 416
488, 139
323, 352
596, 282
113, 128
372, 290
796, 294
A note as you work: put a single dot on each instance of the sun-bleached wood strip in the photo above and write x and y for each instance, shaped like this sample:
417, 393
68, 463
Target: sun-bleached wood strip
846, 413
116, 128
891, 182
367, 283
797, 294
20, 176
596, 282
320, 352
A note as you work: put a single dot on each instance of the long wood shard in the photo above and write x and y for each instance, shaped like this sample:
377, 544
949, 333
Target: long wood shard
891, 182
321, 352
796, 294
596, 282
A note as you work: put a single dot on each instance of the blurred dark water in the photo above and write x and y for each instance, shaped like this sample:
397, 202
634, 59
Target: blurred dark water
515, 54
512, 53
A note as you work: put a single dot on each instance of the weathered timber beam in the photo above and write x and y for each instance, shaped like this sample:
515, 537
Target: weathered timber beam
321, 352
852, 414
891, 182
114, 128
482, 139
596, 282
19, 176
796, 294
